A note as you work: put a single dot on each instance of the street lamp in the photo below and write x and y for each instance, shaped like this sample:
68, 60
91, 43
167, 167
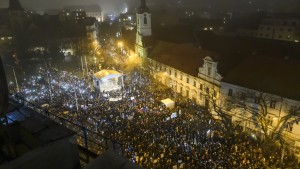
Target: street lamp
120, 44
17, 85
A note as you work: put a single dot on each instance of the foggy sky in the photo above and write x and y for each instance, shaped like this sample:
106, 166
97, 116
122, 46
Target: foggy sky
41, 5
116, 5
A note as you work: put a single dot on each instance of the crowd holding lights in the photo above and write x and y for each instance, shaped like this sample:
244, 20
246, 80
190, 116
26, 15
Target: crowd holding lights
150, 138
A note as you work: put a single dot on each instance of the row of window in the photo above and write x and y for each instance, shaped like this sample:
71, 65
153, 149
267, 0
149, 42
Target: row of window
280, 29
207, 90
279, 36
283, 23
181, 78
242, 96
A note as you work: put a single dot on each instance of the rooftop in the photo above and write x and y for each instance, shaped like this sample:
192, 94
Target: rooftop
183, 57
15, 5
271, 75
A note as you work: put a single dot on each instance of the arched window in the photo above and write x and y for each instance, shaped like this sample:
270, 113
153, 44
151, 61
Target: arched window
145, 20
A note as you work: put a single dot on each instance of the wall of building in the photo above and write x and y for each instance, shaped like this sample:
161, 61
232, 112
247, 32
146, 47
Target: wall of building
276, 111
195, 88
279, 29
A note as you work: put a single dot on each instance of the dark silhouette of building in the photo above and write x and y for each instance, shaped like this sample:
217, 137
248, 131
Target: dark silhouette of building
16, 15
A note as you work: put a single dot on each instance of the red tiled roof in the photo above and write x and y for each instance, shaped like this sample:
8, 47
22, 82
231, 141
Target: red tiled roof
277, 76
185, 58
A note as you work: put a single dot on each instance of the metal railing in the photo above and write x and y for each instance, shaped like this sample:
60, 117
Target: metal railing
90, 140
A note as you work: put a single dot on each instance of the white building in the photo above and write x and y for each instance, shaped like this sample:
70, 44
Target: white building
279, 29
196, 74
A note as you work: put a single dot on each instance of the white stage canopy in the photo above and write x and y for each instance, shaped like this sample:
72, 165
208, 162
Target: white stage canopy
168, 103
106, 74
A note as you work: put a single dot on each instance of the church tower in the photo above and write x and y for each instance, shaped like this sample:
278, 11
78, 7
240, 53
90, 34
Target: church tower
144, 31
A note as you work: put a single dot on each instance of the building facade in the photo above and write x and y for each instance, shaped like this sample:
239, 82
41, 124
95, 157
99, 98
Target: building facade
279, 29
195, 74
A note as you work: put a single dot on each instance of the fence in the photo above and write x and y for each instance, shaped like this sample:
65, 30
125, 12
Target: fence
87, 138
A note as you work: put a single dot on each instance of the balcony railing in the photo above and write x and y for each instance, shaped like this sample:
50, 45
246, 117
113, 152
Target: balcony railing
90, 140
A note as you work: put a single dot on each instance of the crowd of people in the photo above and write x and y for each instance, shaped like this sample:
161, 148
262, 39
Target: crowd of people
149, 135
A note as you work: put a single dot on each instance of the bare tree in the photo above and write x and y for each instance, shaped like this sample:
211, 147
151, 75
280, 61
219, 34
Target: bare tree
270, 115
216, 106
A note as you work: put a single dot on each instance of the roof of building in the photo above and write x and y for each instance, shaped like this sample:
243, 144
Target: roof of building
185, 58
15, 5
233, 50
176, 34
271, 75
40, 127
111, 160
264, 65
107, 74
143, 8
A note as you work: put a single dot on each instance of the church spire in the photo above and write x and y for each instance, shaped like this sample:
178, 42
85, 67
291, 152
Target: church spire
143, 8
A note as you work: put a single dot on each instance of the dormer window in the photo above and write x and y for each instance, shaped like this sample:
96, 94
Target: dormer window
209, 69
145, 19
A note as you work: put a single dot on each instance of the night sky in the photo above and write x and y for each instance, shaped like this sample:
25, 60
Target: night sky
115, 5
41, 5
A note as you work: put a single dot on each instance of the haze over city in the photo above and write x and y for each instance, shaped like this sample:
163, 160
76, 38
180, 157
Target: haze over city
154, 84
115, 6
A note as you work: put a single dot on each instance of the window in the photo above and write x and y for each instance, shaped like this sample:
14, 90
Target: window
279, 36
201, 87
170, 72
145, 19
176, 74
97, 83
187, 93
243, 95
195, 83
256, 99
207, 90
187, 80
294, 108
181, 77
209, 71
215, 93
230, 92
273, 104
284, 23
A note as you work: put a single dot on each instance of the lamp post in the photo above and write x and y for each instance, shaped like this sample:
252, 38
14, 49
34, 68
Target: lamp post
17, 85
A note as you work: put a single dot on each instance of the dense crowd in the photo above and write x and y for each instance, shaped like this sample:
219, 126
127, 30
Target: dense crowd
149, 136
149, 133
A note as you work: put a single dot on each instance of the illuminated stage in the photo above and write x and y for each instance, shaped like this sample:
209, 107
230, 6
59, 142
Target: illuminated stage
108, 80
